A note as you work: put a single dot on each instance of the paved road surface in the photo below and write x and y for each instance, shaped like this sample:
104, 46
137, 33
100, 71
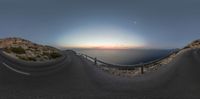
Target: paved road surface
82, 80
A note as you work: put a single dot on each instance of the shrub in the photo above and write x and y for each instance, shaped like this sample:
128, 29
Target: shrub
7, 50
46, 54
22, 58
27, 58
55, 55
52, 55
18, 50
31, 59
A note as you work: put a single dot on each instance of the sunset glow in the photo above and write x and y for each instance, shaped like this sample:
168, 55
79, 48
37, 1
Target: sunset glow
101, 38
106, 46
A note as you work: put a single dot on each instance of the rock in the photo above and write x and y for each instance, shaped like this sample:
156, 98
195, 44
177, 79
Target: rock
26, 50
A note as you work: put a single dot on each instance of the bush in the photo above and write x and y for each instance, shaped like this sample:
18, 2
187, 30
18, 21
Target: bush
7, 50
55, 55
18, 50
31, 59
22, 58
27, 59
46, 53
52, 55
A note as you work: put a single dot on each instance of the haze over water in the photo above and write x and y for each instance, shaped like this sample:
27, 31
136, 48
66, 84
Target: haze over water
125, 56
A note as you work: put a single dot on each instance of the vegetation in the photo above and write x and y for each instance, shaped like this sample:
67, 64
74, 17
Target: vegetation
55, 55
28, 51
26, 58
18, 50
52, 55
7, 50
31, 59
22, 58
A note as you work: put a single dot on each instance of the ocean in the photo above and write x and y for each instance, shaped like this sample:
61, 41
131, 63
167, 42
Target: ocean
125, 56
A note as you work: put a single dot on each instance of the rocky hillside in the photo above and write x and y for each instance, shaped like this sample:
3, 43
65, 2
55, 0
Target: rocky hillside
26, 50
194, 44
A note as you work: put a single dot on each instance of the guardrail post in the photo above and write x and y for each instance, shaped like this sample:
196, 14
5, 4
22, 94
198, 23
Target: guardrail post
142, 69
95, 61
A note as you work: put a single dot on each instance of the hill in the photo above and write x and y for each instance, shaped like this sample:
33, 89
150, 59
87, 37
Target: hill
194, 44
26, 50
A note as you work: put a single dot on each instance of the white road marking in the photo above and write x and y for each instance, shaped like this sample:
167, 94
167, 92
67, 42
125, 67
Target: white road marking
18, 71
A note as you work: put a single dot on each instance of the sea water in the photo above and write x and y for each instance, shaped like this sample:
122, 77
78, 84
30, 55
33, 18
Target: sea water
125, 56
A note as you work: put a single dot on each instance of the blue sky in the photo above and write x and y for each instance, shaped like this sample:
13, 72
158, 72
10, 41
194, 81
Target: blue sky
102, 23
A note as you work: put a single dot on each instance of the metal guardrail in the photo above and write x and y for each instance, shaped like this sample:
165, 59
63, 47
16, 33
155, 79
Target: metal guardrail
127, 67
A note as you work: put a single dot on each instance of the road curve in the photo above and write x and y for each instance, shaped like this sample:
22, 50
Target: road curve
34, 68
81, 79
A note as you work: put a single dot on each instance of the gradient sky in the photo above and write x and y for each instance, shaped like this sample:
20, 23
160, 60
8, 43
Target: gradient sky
102, 23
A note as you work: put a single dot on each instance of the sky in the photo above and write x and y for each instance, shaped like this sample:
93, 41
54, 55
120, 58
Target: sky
102, 23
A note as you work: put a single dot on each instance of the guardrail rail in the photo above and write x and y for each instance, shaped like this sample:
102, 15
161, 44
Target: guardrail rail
126, 67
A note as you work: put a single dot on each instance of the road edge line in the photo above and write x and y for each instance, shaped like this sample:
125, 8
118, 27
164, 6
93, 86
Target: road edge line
13, 69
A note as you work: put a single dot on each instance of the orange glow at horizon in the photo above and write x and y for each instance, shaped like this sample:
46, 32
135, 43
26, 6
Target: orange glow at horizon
101, 38
105, 46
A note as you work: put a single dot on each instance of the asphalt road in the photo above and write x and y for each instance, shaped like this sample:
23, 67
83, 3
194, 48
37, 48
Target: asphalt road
80, 79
